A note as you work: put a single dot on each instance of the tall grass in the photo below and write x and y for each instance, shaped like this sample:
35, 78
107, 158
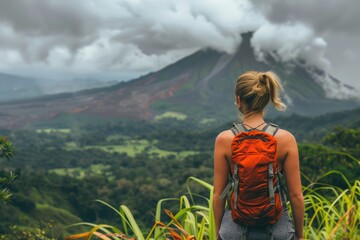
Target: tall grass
191, 221
330, 213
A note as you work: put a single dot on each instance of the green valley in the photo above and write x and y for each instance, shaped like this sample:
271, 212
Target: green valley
60, 172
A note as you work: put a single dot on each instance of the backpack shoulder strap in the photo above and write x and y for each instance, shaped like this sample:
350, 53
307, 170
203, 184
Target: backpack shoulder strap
238, 128
271, 128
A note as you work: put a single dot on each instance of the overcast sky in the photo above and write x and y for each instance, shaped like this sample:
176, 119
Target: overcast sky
122, 39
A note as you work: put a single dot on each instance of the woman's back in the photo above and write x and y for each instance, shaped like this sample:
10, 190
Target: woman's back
284, 139
253, 91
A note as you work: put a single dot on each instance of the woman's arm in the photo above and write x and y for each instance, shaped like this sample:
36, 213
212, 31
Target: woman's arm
221, 173
291, 168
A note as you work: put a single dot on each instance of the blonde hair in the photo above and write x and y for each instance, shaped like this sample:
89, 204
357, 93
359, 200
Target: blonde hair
256, 89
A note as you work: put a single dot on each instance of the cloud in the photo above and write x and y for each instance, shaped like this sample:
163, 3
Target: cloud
331, 15
137, 36
48, 18
187, 24
290, 42
124, 35
334, 21
33, 29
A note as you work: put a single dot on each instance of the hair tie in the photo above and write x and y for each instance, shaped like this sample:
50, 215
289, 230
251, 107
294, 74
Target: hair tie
263, 78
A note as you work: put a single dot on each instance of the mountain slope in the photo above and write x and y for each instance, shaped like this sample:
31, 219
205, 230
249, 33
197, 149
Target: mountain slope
16, 87
200, 85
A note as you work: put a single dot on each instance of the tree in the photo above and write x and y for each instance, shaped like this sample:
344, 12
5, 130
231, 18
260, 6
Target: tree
345, 140
6, 151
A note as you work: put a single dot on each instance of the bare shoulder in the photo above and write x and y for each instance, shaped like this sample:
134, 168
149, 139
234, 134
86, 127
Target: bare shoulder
286, 139
285, 135
287, 144
224, 137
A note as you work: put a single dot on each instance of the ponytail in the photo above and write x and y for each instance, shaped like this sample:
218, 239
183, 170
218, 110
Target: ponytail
256, 89
274, 86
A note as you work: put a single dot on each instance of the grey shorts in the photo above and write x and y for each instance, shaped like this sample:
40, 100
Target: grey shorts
282, 229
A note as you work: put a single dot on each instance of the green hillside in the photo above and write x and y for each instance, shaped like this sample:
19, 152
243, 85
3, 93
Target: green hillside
136, 163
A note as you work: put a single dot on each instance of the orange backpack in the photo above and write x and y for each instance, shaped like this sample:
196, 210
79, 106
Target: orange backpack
254, 191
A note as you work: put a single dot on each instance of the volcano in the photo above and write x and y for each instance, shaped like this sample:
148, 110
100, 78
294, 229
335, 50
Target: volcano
199, 86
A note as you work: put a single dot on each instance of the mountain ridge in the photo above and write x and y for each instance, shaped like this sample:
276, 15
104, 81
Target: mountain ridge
16, 88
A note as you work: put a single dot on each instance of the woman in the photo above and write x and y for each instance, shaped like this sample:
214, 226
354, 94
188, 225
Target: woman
253, 91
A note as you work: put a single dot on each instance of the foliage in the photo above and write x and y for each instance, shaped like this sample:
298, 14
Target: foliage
192, 221
330, 213
316, 159
344, 139
5, 194
313, 129
6, 151
17, 233
6, 148
60, 171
